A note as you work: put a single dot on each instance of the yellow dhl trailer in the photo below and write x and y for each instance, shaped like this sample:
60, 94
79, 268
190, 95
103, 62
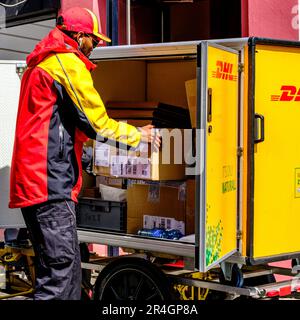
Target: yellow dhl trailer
247, 199
248, 190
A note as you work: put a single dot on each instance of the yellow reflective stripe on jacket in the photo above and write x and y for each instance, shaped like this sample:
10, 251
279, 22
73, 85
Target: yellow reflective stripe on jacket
87, 99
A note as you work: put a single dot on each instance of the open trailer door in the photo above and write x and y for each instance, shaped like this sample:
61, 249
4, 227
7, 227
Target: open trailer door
218, 69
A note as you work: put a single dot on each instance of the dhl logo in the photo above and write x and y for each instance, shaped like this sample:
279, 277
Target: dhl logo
289, 93
224, 71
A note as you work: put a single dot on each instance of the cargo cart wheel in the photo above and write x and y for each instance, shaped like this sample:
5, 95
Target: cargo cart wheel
237, 279
132, 279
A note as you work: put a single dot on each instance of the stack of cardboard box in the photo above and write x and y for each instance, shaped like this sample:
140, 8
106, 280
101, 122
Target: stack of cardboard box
158, 193
154, 200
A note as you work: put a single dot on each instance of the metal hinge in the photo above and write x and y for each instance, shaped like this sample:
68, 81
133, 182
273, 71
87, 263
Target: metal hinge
241, 67
240, 151
239, 234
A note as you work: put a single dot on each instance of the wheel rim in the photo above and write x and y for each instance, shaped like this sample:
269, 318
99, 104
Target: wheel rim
130, 284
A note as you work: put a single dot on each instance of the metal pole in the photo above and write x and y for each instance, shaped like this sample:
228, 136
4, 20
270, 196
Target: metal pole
128, 22
115, 23
108, 20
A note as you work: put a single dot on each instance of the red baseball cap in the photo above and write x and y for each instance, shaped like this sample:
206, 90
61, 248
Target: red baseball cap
80, 19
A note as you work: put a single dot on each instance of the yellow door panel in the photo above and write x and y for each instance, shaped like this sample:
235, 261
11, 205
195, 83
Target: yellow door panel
276, 217
221, 132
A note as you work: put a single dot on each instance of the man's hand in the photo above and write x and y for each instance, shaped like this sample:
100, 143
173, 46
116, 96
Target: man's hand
150, 135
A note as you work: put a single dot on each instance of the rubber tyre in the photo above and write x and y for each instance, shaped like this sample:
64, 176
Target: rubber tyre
237, 279
132, 279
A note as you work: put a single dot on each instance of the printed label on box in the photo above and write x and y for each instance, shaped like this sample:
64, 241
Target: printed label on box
102, 154
154, 193
117, 164
130, 167
144, 169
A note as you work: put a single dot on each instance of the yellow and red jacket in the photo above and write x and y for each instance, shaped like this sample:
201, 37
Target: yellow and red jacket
59, 109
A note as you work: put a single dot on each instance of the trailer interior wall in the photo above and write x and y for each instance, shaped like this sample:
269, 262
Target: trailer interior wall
144, 80
120, 80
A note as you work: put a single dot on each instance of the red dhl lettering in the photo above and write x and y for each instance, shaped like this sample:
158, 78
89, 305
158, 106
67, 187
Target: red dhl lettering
224, 71
289, 93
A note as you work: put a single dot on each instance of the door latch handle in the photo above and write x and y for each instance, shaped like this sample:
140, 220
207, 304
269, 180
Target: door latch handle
259, 128
209, 105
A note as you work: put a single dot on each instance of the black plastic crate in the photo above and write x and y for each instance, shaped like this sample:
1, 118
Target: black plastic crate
97, 214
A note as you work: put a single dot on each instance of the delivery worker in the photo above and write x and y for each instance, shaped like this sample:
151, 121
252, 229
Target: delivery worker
59, 109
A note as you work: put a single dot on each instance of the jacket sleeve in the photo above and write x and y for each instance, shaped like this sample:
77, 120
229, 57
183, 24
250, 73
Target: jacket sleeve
72, 74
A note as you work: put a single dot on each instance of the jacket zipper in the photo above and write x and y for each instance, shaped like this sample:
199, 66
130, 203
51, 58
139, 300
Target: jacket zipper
61, 140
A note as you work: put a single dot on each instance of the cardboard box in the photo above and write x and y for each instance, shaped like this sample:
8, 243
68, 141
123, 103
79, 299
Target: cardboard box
88, 182
155, 200
92, 192
111, 182
141, 164
191, 94
102, 156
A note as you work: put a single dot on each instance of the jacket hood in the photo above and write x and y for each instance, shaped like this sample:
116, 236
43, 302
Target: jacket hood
56, 42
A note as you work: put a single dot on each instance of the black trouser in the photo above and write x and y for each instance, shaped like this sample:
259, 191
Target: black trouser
52, 228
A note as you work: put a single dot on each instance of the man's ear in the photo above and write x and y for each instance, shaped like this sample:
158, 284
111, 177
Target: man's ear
79, 35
